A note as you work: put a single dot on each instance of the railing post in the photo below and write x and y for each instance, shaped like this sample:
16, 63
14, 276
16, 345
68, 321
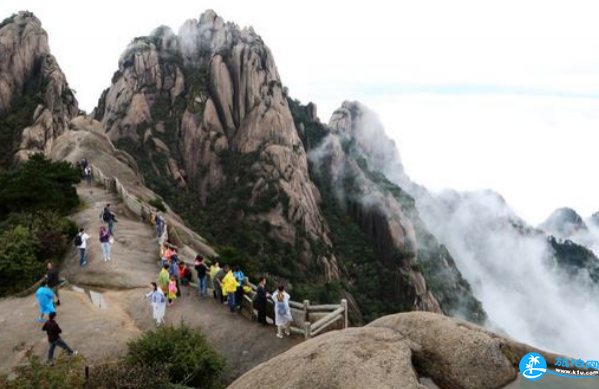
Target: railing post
306, 313
307, 330
345, 314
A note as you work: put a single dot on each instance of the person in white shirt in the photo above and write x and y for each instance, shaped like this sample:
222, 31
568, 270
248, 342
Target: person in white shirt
81, 243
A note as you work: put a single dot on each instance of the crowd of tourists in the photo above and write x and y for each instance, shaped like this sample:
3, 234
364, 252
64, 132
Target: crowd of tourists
228, 283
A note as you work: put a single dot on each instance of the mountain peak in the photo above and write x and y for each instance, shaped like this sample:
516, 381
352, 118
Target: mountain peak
564, 223
36, 102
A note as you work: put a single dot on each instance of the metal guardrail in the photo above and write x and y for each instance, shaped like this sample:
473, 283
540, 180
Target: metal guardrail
308, 320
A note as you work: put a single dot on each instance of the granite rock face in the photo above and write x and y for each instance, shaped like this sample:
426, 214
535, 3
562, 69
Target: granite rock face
206, 108
36, 102
395, 351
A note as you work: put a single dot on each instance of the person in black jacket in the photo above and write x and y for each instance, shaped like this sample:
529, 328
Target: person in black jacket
261, 301
53, 280
53, 331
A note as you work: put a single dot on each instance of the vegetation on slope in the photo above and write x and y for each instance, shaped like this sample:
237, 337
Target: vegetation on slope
34, 201
168, 358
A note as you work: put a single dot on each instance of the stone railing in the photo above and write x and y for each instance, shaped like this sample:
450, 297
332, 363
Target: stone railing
132, 203
308, 320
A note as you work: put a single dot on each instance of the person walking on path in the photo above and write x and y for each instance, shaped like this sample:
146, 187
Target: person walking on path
214, 268
158, 301
240, 278
81, 243
163, 279
261, 301
185, 275
45, 299
105, 242
53, 331
173, 270
108, 217
53, 280
172, 291
202, 271
218, 283
159, 224
229, 286
283, 316
87, 175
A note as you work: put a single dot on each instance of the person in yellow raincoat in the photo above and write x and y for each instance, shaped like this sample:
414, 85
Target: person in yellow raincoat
164, 279
229, 286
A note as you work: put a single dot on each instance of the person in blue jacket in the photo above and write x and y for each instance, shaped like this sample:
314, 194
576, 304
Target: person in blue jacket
45, 299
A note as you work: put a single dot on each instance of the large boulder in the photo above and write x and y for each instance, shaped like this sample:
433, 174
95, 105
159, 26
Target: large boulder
396, 351
354, 358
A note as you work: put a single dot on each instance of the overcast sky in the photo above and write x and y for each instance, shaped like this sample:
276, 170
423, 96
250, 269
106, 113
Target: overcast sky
478, 94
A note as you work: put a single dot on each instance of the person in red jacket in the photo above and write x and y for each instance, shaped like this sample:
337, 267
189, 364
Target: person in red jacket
53, 331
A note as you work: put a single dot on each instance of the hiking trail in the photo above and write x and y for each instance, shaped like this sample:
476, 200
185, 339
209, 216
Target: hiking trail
100, 331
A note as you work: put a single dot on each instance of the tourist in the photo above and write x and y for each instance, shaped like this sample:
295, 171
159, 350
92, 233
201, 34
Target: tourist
173, 270
81, 243
45, 299
214, 268
53, 280
229, 286
87, 175
163, 279
185, 275
218, 283
158, 302
107, 216
105, 242
283, 316
53, 331
159, 224
261, 301
240, 278
172, 291
202, 271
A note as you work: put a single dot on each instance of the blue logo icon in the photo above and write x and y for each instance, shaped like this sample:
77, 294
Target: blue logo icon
533, 366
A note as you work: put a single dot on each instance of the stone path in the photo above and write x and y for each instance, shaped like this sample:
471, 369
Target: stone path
102, 332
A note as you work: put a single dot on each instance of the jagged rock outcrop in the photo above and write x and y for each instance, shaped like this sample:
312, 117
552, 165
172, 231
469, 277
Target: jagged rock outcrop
36, 102
204, 110
564, 223
353, 157
395, 352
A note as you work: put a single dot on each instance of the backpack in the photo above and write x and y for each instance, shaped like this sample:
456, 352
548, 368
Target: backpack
78, 241
106, 216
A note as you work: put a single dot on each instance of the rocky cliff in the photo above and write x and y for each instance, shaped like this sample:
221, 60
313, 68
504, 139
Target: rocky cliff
564, 223
206, 117
204, 114
351, 159
36, 102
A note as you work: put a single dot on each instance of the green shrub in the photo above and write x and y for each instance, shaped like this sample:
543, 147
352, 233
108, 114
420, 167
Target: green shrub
19, 265
66, 373
188, 357
121, 375
27, 242
39, 184
158, 204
